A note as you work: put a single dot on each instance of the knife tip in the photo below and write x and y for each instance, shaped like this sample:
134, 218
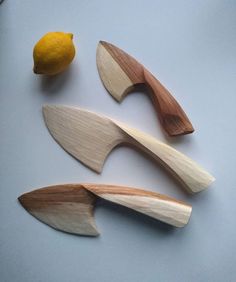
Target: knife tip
46, 109
21, 199
45, 106
103, 43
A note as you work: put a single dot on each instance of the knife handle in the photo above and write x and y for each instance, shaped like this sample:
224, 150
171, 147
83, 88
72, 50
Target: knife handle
171, 115
155, 205
189, 173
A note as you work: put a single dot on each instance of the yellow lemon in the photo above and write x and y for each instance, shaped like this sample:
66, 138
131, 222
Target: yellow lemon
53, 53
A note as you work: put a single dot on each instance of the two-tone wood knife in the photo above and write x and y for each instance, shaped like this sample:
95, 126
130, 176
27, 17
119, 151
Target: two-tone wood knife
70, 207
120, 72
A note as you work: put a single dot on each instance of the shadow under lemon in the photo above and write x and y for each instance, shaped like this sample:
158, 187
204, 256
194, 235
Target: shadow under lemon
54, 84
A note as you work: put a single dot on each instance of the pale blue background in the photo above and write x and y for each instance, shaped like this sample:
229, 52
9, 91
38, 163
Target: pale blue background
191, 47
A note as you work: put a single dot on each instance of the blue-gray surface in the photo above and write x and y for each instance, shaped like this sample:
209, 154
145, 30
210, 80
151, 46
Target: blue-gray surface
191, 47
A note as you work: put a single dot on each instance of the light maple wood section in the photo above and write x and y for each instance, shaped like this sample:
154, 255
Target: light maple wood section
115, 80
70, 207
90, 137
155, 205
120, 73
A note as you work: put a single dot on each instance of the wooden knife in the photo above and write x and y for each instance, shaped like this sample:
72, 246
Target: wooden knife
70, 207
90, 137
120, 73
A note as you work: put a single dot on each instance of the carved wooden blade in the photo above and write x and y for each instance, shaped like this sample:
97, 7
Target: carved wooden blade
69, 207
120, 72
90, 137
85, 135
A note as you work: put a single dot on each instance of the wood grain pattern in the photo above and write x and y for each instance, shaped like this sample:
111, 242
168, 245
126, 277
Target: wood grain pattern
90, 137
120, 73
70, 207
63, 207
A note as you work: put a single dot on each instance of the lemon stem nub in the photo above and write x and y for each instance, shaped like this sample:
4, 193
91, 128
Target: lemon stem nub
71, 35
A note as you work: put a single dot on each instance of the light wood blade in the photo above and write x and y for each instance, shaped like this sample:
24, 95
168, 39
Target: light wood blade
85, 135
116, 70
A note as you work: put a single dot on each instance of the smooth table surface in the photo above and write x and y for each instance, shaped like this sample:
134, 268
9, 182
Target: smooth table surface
191, 48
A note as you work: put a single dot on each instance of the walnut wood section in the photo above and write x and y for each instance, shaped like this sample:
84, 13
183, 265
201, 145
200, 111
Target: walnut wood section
90, 137
70, 207
120, 73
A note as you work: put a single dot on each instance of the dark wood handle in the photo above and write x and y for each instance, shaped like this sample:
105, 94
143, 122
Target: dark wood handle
173, 118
